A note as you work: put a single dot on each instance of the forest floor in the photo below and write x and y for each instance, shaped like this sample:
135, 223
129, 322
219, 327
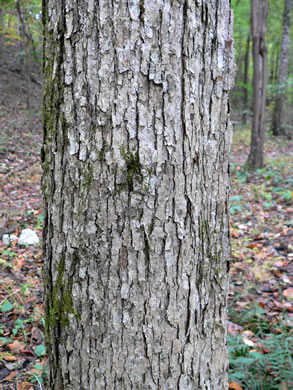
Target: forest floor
260, 326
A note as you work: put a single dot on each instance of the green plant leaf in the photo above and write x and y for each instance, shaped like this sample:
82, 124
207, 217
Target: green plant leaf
278, 189
267, 204
268, 196
236, 198
38, 367
7, 306
287, 195
4, 340
234, 208
40, 350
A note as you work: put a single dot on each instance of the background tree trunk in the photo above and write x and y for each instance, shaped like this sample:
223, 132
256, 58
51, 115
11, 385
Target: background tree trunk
2, 19
246, 80
259, 13
28, 61
278, 120
274, 65
135, 159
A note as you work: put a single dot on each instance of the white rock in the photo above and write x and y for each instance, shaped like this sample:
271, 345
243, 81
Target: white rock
8, 238
28, 237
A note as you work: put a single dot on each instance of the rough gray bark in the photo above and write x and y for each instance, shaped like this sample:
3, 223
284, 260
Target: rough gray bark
259, 14
278, 120
135, 158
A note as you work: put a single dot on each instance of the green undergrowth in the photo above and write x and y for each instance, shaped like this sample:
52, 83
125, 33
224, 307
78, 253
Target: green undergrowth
260, 340
264, 361
269, 186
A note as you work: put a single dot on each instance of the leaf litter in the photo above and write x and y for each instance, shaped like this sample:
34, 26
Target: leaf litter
261, 277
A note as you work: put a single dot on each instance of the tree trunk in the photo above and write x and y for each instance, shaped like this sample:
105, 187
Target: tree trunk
28, 66
2, 19
259, 13
246, 80
278, 120
135, 158
274, 59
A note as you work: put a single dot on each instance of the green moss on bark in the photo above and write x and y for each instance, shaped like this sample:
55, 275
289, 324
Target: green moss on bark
134, 175
60, 303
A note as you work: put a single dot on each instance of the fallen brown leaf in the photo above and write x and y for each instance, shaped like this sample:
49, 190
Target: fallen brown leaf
277, 273
34, 371
288, 292
262, 304
278, 304
18, 264
233, 328
36, 335
24, 386
10, 377
288, 306
248, 333
281, 263
235, 386
283, 386
10, 358
243, 304
16, 346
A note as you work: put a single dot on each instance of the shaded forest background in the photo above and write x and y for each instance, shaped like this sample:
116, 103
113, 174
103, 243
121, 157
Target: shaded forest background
260, 335
242, 95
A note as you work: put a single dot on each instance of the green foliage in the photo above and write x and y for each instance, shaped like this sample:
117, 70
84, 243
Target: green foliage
40, 221
242, 19
2, 329
270, 174
9, 253
242, 29
41, 378
262, 370
241, 173
253, 319
275, 187
5, 264
6, 307
267, 363
9, 28
276, 183
19, 325
235, 204
241, 32
40, 350
4, 340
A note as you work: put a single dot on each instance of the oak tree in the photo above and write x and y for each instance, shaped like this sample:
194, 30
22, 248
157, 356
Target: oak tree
136, 184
